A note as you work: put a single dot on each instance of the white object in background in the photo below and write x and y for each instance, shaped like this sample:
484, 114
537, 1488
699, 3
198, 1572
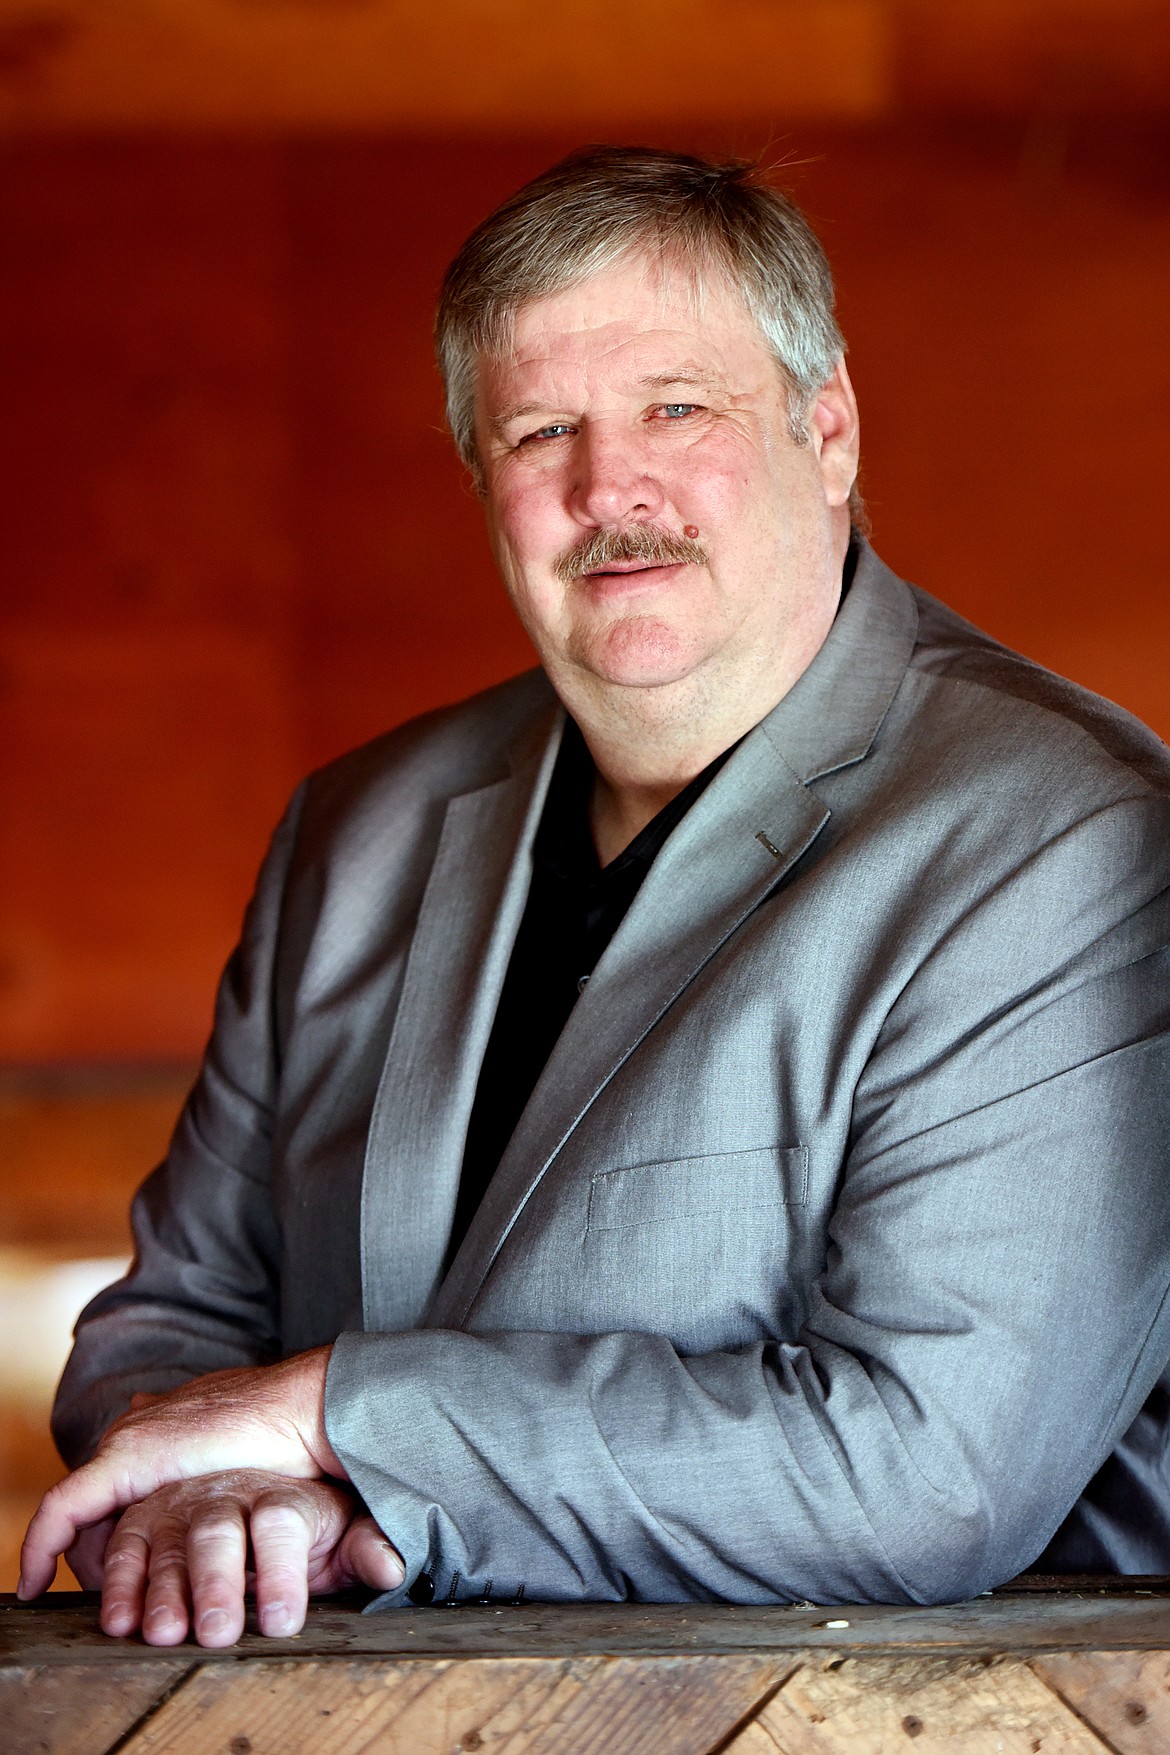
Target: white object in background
40, 1300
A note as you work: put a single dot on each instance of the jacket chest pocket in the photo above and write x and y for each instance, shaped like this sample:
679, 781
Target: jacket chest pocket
697, 1248
694, 1189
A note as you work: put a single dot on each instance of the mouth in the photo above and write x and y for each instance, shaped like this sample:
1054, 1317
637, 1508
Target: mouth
623, 569
609, 556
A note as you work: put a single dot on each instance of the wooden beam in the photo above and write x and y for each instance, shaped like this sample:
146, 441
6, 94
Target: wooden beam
1125, 1694
593, 1706
67, 1709
935, 1706
598, 67
1020, 1672
64, 1626
517, 65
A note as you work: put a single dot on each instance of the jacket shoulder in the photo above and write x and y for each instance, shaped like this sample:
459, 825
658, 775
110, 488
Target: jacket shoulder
436, 756
1027, 710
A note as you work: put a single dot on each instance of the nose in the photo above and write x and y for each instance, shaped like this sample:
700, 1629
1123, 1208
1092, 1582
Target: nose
611, 482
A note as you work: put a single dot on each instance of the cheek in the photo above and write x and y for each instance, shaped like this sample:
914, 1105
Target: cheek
524, 547
764, 503
526, 517
720, 479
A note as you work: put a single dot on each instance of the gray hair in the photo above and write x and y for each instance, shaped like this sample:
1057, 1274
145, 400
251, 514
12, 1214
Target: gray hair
604, 204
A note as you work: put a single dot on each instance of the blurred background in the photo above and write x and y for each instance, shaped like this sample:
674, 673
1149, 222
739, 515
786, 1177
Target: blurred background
234, 539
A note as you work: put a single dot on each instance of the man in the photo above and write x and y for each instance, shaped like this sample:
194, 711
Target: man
689, 1123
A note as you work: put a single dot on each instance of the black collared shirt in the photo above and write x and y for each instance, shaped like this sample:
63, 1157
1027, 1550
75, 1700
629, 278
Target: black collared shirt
574, 907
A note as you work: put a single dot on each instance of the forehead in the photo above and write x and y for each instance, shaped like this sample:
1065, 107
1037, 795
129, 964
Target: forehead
642, 314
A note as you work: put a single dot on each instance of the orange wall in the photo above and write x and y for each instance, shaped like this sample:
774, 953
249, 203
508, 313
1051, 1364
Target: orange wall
235, 541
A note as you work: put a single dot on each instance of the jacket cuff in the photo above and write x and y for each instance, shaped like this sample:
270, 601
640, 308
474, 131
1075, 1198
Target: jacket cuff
359, 1380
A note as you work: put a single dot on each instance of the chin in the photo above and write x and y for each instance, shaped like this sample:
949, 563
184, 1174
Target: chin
641, 652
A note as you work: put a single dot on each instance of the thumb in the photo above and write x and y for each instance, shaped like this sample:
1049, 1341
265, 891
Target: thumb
368, 1558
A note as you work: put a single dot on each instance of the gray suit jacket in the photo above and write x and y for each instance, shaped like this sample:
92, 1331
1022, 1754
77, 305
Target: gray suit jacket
829, 1259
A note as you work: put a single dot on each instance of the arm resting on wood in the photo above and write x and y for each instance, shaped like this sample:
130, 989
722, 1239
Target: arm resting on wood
990, 1317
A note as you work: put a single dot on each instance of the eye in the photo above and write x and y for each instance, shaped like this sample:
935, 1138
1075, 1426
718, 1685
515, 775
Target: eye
675, 410
555, 430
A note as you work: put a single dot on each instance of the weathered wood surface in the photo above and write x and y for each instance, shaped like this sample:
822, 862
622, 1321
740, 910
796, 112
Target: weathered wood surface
592, 1706
871, 1706
1078, 1671
1094, 1617
1125, 1694
73, 1709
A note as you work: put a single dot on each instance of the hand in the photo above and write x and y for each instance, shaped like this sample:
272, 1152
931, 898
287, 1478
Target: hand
87, 1554
268, 1417
178, 1558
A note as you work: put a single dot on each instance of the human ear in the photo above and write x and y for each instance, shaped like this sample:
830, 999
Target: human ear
835, 430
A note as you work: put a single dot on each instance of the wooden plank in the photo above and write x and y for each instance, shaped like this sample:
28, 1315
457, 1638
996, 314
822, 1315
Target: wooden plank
377, 64
195, 64
1116, 1584
525, 1706
64, 1627
1123, 1694
73, 1709
937, 1706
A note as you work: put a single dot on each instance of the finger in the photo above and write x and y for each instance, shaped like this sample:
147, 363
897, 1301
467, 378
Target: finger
281, 1539
216, 1553
87, 1555
82, 1499
366, 1557
166, 1612
124, 1575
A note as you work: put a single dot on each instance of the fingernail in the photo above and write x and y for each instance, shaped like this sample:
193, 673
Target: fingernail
163, 1624
397, 1571
276, 1621
214, 1621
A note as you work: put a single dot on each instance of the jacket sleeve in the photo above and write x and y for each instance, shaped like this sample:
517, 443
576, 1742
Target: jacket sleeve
990, 1316
202, 1292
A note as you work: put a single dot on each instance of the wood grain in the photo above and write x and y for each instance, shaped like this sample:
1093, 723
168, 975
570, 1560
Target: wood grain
666, 1706
1011, 1674
64, 1628
935, 1706
1123, 1694
383, 63
71, 1709
190, 63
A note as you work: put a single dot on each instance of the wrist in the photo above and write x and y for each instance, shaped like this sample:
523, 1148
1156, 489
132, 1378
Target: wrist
312, 1368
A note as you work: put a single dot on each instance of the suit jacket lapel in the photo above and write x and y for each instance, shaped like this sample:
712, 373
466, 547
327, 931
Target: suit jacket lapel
470, 912
737, 842
659, 947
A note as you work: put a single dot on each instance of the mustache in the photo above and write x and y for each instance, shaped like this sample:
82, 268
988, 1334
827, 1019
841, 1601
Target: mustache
652, 543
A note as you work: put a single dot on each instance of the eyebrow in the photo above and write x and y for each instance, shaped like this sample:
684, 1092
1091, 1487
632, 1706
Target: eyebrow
497, 422
691, 375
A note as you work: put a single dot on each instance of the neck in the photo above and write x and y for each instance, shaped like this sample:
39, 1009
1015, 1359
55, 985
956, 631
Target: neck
649, 743
618, 816
644, 762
